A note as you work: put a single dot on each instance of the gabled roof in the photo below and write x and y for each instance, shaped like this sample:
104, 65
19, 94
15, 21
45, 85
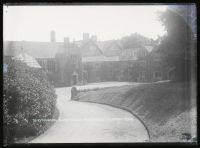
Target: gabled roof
149, 48
27, 59
111, 47
35, 49
106, 45
85, 48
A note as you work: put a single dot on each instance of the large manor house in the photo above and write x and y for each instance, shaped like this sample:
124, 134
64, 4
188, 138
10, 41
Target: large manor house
89, 60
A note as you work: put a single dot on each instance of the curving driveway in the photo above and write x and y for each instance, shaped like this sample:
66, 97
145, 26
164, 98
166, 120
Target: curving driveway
82, 122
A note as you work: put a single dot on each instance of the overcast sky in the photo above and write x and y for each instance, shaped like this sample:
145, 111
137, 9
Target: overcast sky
34, 23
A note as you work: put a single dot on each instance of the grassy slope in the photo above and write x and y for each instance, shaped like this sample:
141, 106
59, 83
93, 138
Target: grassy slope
163, 107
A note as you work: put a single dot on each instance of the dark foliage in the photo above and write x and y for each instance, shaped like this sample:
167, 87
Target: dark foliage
135, 40
175, 47
28, 98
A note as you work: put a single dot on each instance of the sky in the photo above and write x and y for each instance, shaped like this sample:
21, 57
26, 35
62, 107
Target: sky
34, 23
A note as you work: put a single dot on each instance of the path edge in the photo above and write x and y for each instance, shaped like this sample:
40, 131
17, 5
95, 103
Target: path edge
123, 108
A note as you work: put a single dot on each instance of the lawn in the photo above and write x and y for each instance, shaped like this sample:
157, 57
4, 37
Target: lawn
165, 108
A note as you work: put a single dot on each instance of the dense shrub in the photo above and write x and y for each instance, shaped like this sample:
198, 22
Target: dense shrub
28, 98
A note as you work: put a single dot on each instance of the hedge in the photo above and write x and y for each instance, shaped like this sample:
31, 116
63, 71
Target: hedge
28, 98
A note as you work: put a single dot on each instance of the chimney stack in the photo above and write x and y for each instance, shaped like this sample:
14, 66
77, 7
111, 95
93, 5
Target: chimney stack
53, 36
66, 41
85, 36
66, 44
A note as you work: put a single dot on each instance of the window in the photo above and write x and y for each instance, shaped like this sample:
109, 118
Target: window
44, 64
48, 65
133, 54
51, 66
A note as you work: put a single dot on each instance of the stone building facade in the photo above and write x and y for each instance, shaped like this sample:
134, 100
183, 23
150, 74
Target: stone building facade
88, 60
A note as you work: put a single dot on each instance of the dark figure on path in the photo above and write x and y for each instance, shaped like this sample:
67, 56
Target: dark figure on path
74, 93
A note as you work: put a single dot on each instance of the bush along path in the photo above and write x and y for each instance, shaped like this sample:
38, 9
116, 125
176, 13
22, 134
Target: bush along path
27, 96
82, 122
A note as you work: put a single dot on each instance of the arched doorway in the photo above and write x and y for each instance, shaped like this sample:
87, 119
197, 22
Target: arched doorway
74, 78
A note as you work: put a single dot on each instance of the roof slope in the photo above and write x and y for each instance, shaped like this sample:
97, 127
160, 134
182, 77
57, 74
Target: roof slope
90, 48
111, 47
30, 61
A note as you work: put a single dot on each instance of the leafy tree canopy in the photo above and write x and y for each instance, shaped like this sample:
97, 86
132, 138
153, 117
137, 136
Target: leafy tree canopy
175, 46
135, 40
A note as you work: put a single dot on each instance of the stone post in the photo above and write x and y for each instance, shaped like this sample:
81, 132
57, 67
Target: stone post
74, 93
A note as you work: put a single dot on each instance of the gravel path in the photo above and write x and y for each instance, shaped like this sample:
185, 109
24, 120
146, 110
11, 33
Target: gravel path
82, 122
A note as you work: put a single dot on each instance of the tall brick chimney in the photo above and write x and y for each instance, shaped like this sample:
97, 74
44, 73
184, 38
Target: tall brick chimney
66, 41
85, 36
53, 36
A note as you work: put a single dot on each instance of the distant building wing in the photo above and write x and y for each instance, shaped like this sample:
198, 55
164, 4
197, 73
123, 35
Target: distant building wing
35, 49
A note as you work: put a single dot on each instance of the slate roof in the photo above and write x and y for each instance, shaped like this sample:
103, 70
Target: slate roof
30, 61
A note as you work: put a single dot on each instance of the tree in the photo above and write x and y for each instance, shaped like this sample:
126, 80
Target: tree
135, 40
175, 46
